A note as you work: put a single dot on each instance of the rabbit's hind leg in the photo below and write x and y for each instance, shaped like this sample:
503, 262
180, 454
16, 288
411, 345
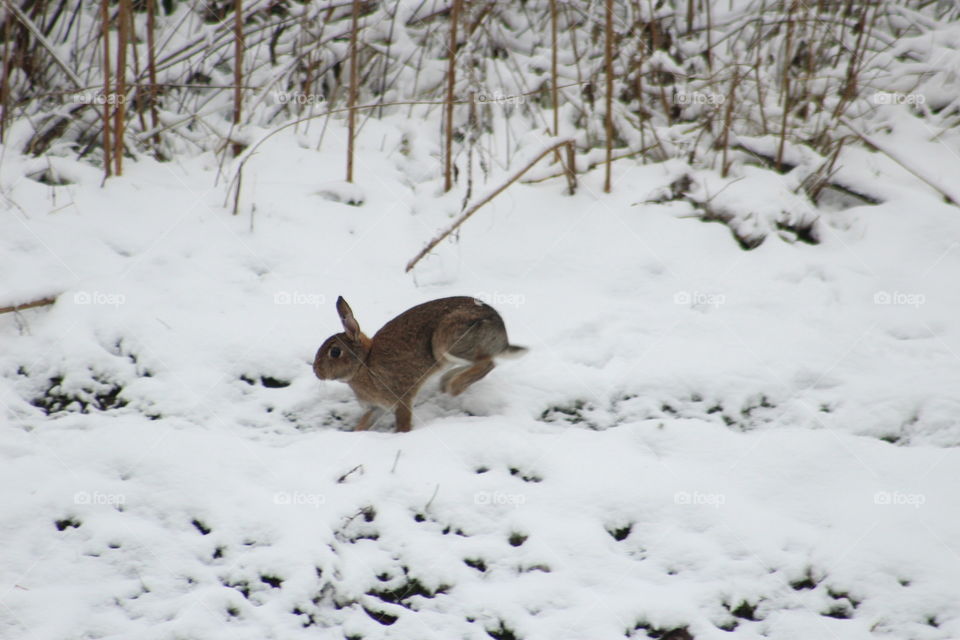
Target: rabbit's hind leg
449, 374
462, 339
457, 380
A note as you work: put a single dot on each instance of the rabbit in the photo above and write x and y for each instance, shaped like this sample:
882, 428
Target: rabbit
460, 334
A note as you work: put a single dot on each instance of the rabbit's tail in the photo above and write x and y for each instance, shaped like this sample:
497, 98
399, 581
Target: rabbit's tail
512, 351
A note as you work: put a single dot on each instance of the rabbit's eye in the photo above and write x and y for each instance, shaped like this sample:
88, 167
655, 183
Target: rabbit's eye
335, 352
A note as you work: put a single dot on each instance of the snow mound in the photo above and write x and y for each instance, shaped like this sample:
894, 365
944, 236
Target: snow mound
702, 441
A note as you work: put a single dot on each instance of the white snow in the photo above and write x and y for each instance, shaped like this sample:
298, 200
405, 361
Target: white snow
742, 443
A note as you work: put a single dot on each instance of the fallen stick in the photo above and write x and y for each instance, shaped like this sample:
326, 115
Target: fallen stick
952, 198
42, 302
591, 165
571, 177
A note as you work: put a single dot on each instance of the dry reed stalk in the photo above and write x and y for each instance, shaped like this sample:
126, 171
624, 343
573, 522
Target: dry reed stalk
352, 95
119, 112
152, 74
757, 64
856, 57
728, 122
785, 84
608, 116
554, 90
571, 168
238, 49
451, 83
105, 34
136, 87
709, 35
5, 81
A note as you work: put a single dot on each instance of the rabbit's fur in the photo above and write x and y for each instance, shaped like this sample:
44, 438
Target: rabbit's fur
386, 371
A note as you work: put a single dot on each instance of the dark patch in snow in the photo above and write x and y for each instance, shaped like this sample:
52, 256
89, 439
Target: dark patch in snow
273, 383
744, 611
406, 587
807, 582
839, 611
266, 381
620, 533
99, 393
476, 563
67, 523
572, 413
756, 411
526, 477
200, 526
843, 595
517, 539
50, 177
731, 625
240, 585
273, 581
502, 632
383, 618
677, 633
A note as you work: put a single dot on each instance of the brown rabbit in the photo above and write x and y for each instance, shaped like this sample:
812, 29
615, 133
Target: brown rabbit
387, 371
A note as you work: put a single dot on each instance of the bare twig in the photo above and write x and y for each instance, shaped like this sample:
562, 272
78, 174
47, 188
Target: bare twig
473, 209
41, 302
436, 490
343, 477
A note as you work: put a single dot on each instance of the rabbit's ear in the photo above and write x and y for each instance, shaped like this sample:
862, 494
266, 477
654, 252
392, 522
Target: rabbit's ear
346, 317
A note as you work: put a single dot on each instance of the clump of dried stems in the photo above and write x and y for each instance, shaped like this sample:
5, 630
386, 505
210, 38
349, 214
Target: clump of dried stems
679, 78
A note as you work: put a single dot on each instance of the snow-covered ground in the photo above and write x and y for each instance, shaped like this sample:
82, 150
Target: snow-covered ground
702, 440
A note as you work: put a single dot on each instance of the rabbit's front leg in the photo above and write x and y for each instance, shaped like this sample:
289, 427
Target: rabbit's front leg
368, 419
403, 415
